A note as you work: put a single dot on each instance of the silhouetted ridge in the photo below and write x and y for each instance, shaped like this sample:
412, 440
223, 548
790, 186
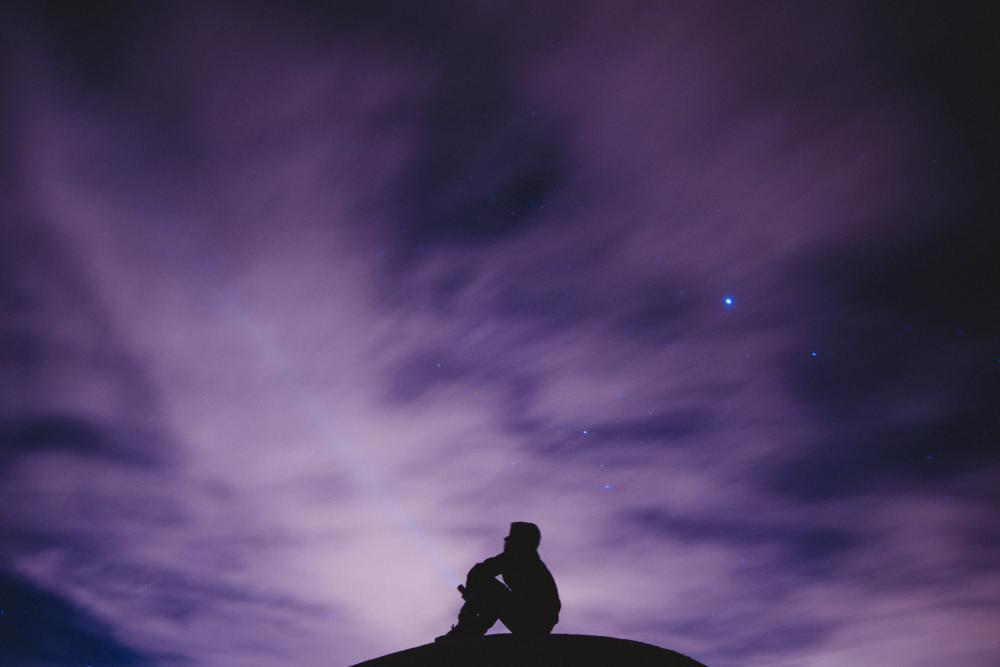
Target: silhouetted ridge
548, 651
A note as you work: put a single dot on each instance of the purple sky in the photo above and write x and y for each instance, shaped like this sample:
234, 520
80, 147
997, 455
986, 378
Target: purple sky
300, 308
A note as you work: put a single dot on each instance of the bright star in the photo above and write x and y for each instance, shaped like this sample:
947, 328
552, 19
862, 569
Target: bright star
728, 301
814, 354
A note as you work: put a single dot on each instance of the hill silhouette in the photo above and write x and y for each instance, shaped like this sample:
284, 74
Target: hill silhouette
504, 650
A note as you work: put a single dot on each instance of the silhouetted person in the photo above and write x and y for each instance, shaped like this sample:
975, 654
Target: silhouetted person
527, 605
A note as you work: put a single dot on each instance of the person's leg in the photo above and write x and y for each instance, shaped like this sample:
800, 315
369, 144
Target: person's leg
525, 621
520, 623
486, 599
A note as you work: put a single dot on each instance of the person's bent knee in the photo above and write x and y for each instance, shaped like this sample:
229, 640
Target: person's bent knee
483, 584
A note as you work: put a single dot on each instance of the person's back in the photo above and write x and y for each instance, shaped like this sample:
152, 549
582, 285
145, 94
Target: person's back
533, 587
528, 604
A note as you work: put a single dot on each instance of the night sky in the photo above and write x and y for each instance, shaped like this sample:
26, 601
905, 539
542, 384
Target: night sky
301, 306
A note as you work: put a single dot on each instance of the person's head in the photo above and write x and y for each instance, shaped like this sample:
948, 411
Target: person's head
523, 537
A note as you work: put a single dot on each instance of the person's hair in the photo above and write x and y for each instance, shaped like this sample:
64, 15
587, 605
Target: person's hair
526, 533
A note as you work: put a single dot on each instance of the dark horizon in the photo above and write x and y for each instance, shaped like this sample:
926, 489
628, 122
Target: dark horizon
301, 306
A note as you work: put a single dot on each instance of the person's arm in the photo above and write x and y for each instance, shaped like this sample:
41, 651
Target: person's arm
494, 566
490, 567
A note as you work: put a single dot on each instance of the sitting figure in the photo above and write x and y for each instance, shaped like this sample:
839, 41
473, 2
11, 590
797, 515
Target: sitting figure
527, 605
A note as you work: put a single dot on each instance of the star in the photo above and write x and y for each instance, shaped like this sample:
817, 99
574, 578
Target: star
728, 301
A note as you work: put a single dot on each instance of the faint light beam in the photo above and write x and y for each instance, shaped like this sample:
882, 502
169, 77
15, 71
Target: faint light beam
362, 473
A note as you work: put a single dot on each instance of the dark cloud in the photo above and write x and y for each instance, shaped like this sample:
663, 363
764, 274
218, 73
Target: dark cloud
180, 598
930, 455
939, 282
799, 546
414, 30
39, 435
487, 165
96, 46
663, 311
619, 438
423, 372
910, 322
57, 331
742, 637
41, 629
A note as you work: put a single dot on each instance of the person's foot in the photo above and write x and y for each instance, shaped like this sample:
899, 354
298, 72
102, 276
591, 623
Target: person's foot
458, 632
